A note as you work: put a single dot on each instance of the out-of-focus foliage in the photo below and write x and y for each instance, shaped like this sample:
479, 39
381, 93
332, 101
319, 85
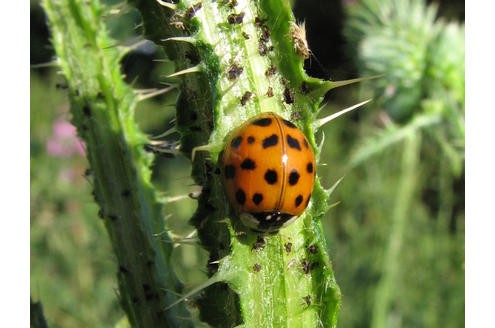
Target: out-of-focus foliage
399, 230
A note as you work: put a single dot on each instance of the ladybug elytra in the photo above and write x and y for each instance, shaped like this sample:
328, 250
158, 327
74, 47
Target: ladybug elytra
268, 170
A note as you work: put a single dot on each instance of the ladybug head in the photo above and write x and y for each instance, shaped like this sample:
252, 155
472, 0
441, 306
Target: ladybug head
266, 222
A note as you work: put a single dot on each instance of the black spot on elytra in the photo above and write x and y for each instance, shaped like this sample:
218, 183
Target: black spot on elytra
265, 121
240, 196
289, 124
299, 200
257, 198
250, 140
271, 176
270, 141
293, 143
309, 168
229, 171
236, 142
248, 164
293, 177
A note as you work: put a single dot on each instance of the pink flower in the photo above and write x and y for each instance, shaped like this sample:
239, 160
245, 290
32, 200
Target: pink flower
64, 141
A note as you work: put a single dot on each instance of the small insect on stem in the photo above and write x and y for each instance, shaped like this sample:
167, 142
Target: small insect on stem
298, 35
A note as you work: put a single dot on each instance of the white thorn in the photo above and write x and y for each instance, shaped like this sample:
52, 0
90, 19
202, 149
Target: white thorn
167, 4
320, 146
166, 133
146, 94
209, 282
193, 69
171, 199
332, 188
53, 63
180, 39
329, 118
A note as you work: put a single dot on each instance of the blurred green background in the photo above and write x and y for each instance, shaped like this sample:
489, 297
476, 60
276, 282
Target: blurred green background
396, 237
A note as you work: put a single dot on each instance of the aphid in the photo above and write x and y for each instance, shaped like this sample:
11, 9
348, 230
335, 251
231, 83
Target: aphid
247, 95
257, 267
270, 71
269, 92
313, 249
191, 11
288, 247
305, 266
260, 243
268, 172
234, 72
259, 21
298, 34
307, 300
262, 48
289, 96
265, 33
235, 18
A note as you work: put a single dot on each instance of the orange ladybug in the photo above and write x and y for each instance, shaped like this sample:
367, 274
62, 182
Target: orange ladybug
268, 170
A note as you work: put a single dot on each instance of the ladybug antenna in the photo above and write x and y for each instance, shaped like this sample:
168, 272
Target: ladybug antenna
325, 120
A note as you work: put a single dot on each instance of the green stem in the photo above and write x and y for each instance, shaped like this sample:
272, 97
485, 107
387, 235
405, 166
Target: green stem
401, 213
247, 46
103, 108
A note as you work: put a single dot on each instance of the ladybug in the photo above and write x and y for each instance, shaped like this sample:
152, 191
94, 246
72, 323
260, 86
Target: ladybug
268, 170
